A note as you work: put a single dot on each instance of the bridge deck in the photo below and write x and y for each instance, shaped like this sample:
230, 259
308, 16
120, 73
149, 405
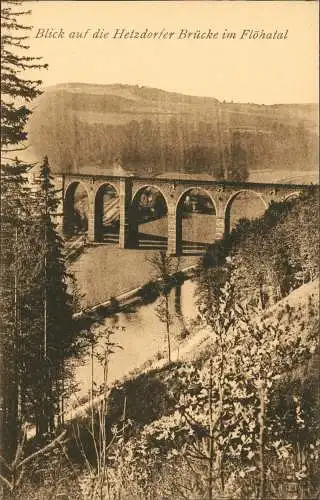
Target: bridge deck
190, 182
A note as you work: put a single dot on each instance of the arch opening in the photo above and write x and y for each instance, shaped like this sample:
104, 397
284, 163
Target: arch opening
76, 207
196, 222
244, 204
148, 221
107, 214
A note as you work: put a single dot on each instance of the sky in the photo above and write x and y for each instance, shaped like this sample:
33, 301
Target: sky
264, 71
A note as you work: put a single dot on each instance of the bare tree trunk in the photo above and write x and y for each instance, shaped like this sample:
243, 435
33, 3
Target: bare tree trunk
211, 444
62, 400
45, 397
168, 327
14, 384
261, 442
221, 398
92, 406
262, 296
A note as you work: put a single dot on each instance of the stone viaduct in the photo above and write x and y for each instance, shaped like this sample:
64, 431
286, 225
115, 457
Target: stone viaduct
221, 193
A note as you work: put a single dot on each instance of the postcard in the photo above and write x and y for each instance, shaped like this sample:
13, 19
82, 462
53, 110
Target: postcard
159, 255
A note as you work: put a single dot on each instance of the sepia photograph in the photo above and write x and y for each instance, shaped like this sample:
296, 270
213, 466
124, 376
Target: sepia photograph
159, 335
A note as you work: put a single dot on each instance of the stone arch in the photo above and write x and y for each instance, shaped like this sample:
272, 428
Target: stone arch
192, 209
106, 183
106, 213
228, 206
75, 208
186, 191
152, 186
148, 209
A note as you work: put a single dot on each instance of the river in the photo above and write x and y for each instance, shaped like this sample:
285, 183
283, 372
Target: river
141, 335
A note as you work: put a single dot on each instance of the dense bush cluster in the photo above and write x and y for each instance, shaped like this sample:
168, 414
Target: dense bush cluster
270, 256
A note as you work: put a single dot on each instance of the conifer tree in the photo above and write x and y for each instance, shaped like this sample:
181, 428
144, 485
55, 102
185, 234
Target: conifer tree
14, 211
16, 93
51, 305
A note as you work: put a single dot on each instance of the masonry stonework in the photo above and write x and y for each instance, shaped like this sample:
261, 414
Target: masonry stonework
222, 194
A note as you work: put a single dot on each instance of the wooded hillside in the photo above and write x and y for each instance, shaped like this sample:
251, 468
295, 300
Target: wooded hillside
153, 131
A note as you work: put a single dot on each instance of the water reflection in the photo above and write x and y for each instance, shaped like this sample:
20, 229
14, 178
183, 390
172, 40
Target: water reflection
142, 338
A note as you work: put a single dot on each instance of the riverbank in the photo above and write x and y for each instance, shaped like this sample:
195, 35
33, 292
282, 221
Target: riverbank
106, 271
139, 334
138, 296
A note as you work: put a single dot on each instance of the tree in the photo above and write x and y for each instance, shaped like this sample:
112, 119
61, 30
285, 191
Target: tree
102, 439
301, 235
276, 253
16, 93
14, 89
165, 267
15, 211
50, 305
225, 418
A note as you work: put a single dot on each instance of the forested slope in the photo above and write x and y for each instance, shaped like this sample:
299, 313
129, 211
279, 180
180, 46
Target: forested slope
150, 130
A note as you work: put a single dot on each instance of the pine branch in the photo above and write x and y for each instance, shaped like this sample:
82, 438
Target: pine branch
12, 25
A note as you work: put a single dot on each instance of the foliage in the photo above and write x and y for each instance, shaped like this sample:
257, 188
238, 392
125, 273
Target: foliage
46, 312
271, 255
226, 432
95, 439
16, 94
165, 268
16, 91
14, 472
37, 332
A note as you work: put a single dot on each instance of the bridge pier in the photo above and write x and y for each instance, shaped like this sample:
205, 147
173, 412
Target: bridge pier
173, 237
125, 201
221, 227
91, 221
